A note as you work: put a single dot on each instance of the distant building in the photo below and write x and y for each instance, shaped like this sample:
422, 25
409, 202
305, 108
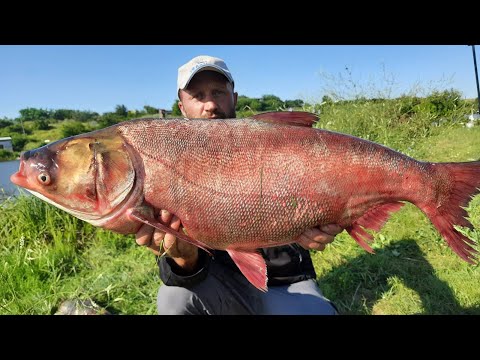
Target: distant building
6, 143
164, 113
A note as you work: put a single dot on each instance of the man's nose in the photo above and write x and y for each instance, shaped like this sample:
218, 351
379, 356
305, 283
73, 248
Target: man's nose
210, 104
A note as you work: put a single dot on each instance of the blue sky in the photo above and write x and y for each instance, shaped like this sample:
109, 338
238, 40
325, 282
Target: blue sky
99, 77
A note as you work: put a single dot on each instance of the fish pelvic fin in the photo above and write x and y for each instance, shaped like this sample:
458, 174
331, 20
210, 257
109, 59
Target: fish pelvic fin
448, 210
373, 219
296, 118
252, 265
139, 216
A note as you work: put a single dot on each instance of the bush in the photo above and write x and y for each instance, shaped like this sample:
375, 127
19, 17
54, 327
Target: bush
6, 155
15, 128
41, 125
442, 103
408, 105
109, 119
18, 142
73, 128
5, 123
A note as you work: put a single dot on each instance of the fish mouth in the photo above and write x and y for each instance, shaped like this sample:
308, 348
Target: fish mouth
19, 177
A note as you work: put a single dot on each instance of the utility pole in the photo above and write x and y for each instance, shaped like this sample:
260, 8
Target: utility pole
476, 77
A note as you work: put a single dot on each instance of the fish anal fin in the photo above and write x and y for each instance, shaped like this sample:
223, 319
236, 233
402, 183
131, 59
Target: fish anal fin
139, 216
358, 234
373, 219
376, 217
252, 265
296, 118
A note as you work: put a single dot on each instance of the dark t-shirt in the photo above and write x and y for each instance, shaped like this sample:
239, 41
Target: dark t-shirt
285, 265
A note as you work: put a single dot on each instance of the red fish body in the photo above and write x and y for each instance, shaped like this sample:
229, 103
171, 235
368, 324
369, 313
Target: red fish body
261, 186
243, 184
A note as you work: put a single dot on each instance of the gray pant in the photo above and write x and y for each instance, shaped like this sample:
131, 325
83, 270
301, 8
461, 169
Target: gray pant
225, 292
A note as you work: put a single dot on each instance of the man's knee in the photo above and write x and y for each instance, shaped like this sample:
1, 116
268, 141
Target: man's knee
175, 300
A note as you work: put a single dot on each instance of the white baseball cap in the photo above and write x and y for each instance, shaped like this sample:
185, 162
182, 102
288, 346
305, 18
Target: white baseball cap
200, 63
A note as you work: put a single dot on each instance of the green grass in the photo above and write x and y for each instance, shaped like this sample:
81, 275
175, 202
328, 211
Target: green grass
48, 256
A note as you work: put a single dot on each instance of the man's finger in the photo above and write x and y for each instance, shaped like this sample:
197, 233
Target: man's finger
158, 237
144, 235
155, 250
307, 243
315, 234
166, 217
175, 223
332, 229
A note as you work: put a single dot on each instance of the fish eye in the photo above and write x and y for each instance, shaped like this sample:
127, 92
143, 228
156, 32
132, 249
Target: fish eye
44, 178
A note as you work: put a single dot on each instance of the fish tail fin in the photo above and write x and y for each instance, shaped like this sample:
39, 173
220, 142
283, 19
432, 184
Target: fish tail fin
374, 219
453, 194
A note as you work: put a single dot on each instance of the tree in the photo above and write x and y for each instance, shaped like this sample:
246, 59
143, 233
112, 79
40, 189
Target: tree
121, 110
150, 109
72, 128
271, 102
84, 115
41, 125
34, 114
246, 103
5, 123
62, 114
109, 119
18, 142
175, 109
327, 99
297, 103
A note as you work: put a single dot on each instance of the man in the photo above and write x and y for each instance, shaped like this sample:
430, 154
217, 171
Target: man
195, 283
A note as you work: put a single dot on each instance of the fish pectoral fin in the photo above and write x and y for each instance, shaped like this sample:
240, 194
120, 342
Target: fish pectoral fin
252, 265
137, 215
373, 219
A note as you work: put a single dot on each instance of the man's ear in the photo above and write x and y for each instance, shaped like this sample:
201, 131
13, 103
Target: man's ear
235, 98
180, 106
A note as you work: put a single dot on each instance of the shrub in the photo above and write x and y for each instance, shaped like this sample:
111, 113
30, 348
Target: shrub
73, 128
6, 155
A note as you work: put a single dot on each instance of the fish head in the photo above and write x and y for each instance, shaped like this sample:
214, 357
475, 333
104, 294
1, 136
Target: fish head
87, 176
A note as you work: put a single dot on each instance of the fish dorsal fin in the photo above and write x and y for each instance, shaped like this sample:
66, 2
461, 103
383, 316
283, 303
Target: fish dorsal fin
252, 265
296, 118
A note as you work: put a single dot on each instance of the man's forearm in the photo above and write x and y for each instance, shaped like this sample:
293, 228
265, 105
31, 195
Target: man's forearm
173, 275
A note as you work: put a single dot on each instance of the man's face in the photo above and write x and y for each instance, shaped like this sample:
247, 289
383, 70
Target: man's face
209, 95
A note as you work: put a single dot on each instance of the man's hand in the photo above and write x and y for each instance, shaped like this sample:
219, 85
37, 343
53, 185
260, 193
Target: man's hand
184, 254
318, 238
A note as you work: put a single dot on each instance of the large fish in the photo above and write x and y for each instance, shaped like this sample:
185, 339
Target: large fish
243, 184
